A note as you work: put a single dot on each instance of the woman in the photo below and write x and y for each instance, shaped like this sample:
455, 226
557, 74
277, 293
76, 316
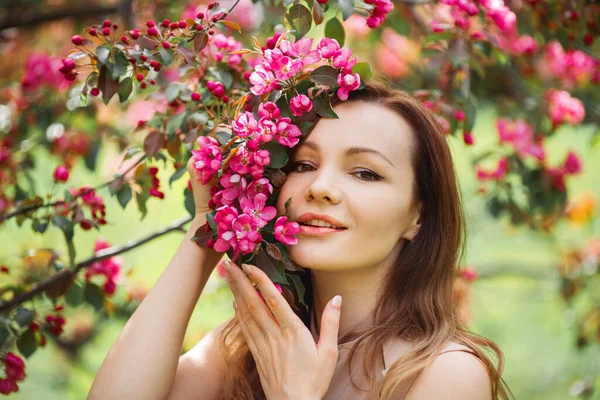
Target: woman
382, 174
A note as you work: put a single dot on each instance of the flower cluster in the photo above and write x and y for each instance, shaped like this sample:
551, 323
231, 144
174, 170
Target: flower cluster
154, 191
496, 174
240, 197
55, 324
571, 166
15, 372
379, 12
571, 68
519, 134
42, 69
564, 108
109, 267
69, 146
86, 198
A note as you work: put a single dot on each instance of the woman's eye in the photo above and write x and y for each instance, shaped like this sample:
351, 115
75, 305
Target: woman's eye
369, 176
298, 167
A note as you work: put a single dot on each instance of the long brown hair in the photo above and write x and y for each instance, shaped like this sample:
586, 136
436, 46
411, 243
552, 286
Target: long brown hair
415, 302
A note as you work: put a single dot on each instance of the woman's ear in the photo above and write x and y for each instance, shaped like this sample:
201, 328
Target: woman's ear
414, 226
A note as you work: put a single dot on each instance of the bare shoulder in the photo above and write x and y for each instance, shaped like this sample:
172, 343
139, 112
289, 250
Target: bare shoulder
455, 374
202, 369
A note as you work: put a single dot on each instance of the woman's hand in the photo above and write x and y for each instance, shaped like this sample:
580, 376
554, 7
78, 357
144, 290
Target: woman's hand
289, 362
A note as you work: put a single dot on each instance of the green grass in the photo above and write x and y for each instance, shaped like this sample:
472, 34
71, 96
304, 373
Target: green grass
525, 316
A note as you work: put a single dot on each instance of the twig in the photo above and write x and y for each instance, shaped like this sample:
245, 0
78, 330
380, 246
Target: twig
67, 274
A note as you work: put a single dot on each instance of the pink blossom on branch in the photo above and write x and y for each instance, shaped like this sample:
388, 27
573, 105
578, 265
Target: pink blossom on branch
564, 108
286, 231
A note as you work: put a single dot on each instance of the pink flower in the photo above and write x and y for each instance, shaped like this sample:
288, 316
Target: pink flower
256, 208
300, 104
284, 231
525, 45
341, 59
109, 267
262, 158
572, 164
207, 160
288, 134
328, 47
262, 80
564, 108
241, 161
234, 185
496, 175
15, 367
267, 129
301, 50
347, 82
268, 110
245, 124
43, 69
261, 185
8, 386
225, 216
520, 135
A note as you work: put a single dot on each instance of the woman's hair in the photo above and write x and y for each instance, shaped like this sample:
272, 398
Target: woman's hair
415, 301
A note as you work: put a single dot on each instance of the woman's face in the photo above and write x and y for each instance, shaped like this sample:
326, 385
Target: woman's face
367, 189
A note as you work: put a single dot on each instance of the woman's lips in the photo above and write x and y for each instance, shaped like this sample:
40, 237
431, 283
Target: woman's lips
318, 230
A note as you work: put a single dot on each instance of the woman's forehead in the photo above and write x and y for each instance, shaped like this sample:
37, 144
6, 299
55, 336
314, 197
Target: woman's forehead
365, 125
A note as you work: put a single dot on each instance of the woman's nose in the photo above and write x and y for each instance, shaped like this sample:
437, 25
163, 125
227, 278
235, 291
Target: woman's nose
324, 187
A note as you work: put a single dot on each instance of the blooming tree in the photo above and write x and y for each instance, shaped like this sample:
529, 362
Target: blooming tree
236, 104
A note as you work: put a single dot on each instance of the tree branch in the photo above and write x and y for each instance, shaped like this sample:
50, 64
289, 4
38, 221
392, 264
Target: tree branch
19, 20
24, 210
67, 274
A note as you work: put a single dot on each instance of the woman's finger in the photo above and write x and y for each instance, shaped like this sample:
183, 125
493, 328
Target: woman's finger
283, 313
251, 307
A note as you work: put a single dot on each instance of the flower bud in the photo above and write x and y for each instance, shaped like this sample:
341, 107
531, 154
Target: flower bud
77, 40
165, 23
92, 32
106, 23
95, 91
124, 39
152, 31
61, 174
182, 24
196, 96
150, 24
166, 45
200, 15
106, 31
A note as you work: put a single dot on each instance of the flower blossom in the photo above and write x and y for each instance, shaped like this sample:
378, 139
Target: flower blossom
300, 104
564, 108
285, 231
207, 160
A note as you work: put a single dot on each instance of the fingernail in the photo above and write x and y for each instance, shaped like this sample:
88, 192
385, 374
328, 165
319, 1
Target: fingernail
246, 268
337, 301
227, 265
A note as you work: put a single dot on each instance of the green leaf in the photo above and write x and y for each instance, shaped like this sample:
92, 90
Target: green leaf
178, 174
434, 37
176, 122
124, 195
279, 157
103, 53
39, 226
335, 30
210, 219
74, 295
107, 85
300, 19
470, 114
3, 334
299, 288
27, 344
24, 316
189, 201
317, 13
347, 8
223, 137
273, 268
92, 156
322, 104
200, 41
224, 77
363, 69
165, 55
172, 91
141, 199
125, 88
121, 64
93, 295
325, 75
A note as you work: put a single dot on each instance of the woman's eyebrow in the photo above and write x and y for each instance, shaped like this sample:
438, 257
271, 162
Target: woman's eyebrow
350, 151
